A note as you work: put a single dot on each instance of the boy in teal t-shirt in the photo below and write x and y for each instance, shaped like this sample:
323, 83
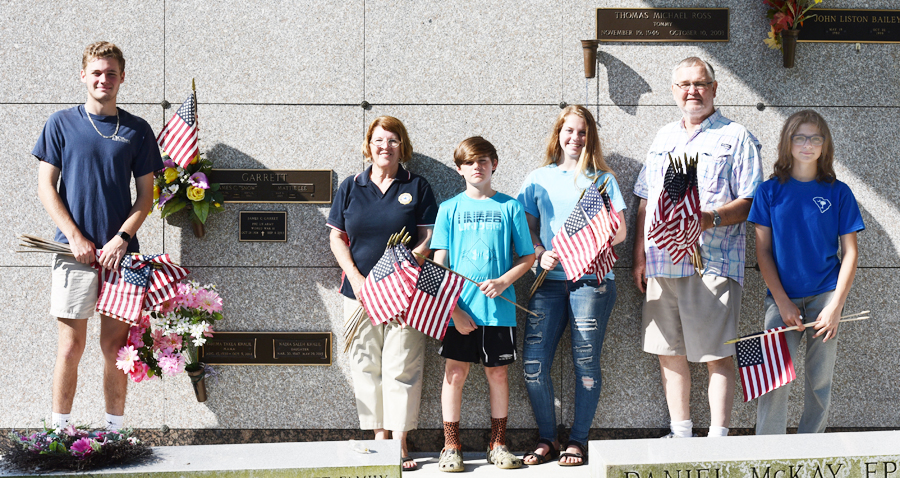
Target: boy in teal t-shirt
475, 234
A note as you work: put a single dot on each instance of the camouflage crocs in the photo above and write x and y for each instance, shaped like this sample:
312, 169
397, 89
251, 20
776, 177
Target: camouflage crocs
451, 460
502, 457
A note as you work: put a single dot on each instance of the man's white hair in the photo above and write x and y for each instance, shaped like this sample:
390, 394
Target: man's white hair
695, 61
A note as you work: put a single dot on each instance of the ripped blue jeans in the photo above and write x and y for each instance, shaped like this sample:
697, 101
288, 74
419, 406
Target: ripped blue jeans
586, 305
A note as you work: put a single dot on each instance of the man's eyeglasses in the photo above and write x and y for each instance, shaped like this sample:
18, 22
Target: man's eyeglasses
385, 143
697, 86
801, 139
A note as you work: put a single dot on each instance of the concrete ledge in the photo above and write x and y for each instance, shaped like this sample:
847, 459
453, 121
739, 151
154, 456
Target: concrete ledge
269, 460
828, 455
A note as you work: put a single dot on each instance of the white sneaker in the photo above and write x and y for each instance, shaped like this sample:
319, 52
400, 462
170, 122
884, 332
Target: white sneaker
673, 435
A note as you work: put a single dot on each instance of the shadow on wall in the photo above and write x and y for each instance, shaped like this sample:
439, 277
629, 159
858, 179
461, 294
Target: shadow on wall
444, 180
625, 85
268, 287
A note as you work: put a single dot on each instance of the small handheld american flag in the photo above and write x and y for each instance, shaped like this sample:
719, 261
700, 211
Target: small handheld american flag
765, 363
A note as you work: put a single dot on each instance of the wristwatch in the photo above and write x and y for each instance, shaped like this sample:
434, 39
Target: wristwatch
717, 219
124, 235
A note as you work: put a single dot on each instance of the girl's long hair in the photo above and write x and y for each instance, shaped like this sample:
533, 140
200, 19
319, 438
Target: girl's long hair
785, 162
591, 162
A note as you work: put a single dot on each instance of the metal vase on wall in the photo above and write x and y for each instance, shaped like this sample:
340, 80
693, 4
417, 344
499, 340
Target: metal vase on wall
789, 46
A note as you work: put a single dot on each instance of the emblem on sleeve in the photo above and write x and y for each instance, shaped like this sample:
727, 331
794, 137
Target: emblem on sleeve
823, 204
405, 198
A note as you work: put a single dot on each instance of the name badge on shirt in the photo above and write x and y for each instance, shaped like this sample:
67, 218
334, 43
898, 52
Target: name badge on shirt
120, 139
405, 198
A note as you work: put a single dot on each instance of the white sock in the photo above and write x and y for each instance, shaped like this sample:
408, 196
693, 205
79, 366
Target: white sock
114, 422
59, 420
718, 431
683, 429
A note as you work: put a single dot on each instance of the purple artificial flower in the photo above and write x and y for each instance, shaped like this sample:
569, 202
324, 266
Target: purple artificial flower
198, 180
169, 163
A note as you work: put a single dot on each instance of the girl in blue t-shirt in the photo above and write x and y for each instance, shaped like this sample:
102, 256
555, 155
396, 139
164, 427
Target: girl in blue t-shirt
806, 224
573, 161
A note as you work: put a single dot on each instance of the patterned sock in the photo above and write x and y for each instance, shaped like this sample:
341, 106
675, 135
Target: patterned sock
59, 420
498, 431
451, 435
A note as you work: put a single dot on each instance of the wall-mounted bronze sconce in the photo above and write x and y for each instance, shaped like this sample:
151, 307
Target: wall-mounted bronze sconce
590, 57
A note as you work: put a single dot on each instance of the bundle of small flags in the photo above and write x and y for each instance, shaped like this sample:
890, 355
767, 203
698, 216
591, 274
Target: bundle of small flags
141, 282
397, 288
676, 220
584, 243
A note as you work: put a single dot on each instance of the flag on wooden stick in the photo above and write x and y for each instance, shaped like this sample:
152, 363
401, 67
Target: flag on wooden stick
179, 137
434, 299
765, 364
388, 287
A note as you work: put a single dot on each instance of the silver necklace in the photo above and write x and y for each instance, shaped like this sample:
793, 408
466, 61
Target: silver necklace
113, 137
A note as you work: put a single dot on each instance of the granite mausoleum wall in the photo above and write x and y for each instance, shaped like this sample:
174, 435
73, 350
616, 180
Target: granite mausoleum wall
280, 85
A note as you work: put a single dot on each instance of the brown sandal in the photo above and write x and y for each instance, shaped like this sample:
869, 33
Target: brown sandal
551, 454
580, 456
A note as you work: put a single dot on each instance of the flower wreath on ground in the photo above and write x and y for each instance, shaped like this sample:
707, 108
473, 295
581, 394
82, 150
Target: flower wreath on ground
71, 448
165, 342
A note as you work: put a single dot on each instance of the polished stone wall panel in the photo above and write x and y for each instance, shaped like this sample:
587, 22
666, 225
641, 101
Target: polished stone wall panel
277, 52
279, 87
40, 55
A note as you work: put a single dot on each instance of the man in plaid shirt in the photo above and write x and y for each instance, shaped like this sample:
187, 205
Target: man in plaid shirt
689, 316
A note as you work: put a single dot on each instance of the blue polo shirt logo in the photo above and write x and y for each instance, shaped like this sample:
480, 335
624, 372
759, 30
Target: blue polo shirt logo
405, 198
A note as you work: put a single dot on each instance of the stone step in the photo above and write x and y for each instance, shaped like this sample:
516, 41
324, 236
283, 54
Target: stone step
825, 455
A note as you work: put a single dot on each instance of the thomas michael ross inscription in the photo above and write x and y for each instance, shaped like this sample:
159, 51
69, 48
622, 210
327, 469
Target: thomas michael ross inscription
662, 24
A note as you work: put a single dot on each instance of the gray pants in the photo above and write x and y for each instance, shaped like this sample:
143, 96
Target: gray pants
771, 409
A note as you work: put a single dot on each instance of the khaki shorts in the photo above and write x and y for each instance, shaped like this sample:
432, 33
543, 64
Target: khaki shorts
73, 289
691, 316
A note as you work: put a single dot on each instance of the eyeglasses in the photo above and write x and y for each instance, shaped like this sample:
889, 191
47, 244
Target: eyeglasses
801, 139
385, 143
697, 86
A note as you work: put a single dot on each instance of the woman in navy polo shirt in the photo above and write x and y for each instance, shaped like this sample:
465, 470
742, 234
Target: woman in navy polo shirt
386, 361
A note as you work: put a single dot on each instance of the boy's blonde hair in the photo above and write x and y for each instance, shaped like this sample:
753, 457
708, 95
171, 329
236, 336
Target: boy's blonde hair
102, 49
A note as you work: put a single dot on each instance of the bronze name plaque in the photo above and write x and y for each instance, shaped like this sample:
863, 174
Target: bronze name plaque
263, 226
267, 348
662, 24
274, 185
851, 26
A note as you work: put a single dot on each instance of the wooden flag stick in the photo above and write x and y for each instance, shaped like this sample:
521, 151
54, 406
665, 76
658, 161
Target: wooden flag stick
794, 327
470, 280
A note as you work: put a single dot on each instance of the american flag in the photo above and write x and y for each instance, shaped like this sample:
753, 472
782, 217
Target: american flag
388, 287
163, 280
437, 291
577, 241
179, 137
122, 290
607, 256
676, 221
765, 364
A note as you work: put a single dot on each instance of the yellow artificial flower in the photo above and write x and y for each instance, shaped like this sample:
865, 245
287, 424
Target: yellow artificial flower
156, 192
196, 158
195, 193
171, 174
216, 204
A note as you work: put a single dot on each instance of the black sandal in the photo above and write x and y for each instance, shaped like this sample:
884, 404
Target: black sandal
552, 454
582, 456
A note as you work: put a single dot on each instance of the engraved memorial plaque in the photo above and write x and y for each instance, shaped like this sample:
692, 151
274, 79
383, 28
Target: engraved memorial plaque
851, 26
663, 24
263, 226
267, 348
274, 185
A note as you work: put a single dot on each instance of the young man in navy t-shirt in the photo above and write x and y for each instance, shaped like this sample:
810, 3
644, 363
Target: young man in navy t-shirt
88, 155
